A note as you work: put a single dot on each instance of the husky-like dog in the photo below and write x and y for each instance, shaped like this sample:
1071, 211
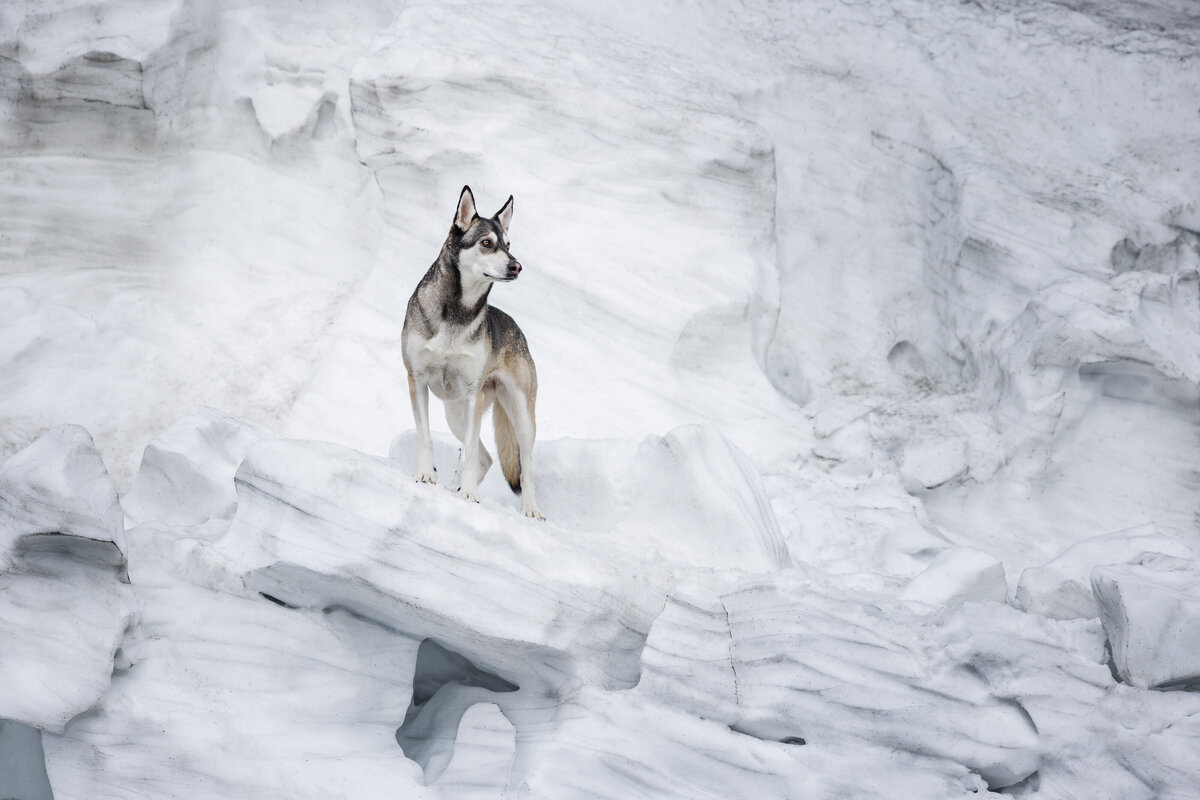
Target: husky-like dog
471, 354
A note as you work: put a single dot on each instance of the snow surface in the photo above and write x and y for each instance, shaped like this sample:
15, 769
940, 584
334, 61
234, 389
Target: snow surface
869, 369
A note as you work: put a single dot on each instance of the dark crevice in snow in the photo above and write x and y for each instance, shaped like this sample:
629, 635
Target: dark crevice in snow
22, 763
1111, 662
438, 666
39, 552
1020, 789
276, 600
792, 740
1020, 709
445, 684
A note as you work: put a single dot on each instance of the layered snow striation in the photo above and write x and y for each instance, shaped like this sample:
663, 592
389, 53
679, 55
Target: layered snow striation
346, 629
320, 526
420, 643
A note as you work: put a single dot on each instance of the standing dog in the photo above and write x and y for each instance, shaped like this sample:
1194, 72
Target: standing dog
471, 354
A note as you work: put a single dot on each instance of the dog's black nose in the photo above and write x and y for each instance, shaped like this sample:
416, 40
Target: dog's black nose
514, 269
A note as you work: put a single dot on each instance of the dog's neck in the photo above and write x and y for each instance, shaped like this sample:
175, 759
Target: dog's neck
461, 301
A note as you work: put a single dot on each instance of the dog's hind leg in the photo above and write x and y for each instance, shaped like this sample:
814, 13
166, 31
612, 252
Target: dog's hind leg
519, 428
419, 396
458, 418
475, 458
524, 426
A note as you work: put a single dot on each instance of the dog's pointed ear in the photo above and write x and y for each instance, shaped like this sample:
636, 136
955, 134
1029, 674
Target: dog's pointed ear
504, 215
466, 209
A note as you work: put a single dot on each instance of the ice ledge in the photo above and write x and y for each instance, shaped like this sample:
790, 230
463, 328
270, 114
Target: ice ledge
785, 659
321, 526
1151, 613
65, 602
58, 485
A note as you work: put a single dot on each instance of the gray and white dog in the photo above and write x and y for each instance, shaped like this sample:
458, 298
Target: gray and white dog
471, 354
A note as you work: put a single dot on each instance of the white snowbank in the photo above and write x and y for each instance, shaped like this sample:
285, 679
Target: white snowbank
688, 499
804, 667
58, 485
321, 526
958, 575
65, 603
1062, 587
238, 695
1151, 613
186, 474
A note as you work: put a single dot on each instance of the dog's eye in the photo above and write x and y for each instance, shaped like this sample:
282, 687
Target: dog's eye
487, 243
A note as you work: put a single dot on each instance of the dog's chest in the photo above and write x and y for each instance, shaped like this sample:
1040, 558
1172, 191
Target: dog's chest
451, 362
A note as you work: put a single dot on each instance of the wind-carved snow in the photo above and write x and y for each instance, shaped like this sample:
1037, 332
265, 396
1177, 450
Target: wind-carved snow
184, 477
802, 667
446, 688
63, 585
852, 320
1151, 613
321, 526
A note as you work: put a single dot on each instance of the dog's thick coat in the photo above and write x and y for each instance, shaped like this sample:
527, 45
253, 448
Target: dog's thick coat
472, 355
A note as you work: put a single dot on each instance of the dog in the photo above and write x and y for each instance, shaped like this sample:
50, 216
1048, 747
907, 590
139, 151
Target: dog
472, 355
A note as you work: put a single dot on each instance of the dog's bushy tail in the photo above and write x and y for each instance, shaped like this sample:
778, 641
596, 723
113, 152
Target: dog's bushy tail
507, 448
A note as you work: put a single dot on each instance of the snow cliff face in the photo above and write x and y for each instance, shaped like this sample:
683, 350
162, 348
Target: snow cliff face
867, 340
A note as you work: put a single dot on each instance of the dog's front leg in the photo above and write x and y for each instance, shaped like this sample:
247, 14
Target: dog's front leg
472, 468
419, 395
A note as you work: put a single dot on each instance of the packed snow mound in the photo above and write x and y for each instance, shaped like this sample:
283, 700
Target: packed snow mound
186, 474
690, 498
65, 602
59, 485
957, 575
1151, 613
253, 698
1062, 588
784, 660
321, 526
485, 647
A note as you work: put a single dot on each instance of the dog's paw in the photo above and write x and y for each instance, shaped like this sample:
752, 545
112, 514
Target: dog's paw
533, 513
468, 495
425, 477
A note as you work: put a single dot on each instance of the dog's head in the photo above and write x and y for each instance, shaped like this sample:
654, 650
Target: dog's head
483, 242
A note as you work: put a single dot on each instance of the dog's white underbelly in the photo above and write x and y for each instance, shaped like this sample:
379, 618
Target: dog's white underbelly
449, 366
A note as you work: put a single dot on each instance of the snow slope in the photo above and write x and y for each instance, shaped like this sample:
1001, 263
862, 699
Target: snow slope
870, 389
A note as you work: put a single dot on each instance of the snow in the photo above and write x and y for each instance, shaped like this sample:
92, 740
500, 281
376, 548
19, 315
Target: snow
955, 576
866, 337
64, 591
1151, 613
1061, 588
